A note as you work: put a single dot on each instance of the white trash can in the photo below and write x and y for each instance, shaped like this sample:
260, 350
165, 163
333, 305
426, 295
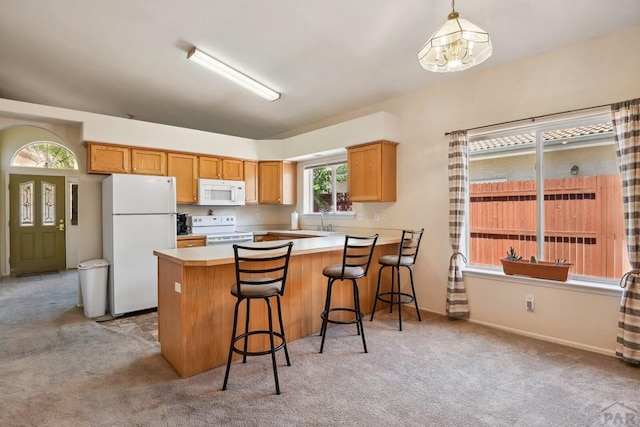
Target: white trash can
92, 275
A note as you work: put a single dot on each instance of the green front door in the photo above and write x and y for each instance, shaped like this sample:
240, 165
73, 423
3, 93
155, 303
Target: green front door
36, 222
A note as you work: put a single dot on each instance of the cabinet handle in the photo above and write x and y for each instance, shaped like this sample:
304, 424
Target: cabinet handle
189, 245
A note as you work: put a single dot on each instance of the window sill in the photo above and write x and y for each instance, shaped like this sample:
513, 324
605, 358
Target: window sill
348, 214
571, 284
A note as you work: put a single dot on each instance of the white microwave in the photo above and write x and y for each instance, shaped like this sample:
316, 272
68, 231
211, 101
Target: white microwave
216, 192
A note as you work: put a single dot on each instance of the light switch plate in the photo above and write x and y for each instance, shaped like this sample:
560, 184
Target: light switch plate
178, 287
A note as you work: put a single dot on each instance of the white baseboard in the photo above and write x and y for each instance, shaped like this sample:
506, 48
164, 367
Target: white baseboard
574, 344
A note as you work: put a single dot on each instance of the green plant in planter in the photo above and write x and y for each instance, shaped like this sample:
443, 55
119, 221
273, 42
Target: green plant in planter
512, 255
533, 260
560, 261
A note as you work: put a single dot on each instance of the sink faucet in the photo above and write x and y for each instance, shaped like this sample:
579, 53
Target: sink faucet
322, 226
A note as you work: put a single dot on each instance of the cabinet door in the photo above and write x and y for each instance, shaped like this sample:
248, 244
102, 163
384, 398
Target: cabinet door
210, 167
372, 172
364, 173
277, 183
148, 162
232, 169
270, 183
107, 158
191, 241
185, 168
250, 182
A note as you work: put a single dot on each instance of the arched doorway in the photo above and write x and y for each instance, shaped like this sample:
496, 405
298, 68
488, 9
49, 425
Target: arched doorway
39, 212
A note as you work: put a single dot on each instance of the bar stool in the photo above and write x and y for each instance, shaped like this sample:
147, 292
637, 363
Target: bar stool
261, 273
356, 258
406, 257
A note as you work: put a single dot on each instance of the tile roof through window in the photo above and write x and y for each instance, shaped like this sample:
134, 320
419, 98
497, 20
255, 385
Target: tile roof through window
527, 139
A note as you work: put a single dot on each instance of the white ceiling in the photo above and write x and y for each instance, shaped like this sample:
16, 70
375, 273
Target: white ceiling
326, 57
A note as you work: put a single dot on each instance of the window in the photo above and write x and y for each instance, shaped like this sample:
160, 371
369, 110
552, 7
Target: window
327, 188
569, 207
45, 154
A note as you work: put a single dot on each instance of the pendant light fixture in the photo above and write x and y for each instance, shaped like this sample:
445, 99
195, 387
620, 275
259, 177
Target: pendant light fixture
457, 45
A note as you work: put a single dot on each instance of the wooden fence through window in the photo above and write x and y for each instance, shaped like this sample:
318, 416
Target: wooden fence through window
583, 223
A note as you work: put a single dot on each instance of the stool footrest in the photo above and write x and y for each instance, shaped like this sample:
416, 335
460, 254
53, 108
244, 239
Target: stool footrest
396, 297
260, 352
358, 316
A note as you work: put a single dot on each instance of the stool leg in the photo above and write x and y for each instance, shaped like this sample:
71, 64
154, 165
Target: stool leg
246, 331
399, 298
284, 339
273, 351
375, 300
415, 300
359, 316
393, 288
327, 305
355, 298
233, 338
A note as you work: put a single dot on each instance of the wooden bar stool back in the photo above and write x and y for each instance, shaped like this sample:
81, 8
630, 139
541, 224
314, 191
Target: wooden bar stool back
406, 257
356, 258
261, 273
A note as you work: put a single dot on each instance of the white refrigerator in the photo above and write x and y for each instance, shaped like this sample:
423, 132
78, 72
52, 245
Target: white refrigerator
138, 217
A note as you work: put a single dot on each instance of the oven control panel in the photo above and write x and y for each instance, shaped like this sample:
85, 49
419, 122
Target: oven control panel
212, 220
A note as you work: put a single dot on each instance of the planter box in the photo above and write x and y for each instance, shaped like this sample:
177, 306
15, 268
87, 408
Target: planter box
540, 270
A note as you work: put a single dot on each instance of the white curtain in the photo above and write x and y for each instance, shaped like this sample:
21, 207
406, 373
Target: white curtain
626, 124
457, 303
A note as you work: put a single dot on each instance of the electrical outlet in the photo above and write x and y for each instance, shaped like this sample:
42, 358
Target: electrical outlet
177, 287
383, 217
360, 216
529, 300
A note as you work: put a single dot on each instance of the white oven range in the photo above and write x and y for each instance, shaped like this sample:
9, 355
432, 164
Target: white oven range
219, 229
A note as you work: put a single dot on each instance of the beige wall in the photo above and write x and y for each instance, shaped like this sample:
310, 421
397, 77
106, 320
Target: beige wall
592, 73
599, 71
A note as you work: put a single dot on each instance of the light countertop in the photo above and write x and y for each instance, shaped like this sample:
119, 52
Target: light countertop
223, 254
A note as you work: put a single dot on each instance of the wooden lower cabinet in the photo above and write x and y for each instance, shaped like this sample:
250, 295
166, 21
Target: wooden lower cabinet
194, 324
189, 241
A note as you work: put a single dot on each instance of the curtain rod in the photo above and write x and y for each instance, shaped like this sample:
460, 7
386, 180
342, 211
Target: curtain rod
533, 118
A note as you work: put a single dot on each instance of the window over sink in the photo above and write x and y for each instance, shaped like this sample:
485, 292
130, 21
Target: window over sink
326, 188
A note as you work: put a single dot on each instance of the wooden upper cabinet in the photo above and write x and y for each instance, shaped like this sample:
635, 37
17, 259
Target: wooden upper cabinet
210, 167
185, 168
232, 169
220, 168
105, 158
148, 162
372, 172
277, 183
250, 182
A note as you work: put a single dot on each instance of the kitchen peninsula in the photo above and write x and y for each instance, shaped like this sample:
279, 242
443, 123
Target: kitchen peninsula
195, 306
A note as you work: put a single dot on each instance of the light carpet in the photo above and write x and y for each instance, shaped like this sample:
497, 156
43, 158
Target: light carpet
58, 368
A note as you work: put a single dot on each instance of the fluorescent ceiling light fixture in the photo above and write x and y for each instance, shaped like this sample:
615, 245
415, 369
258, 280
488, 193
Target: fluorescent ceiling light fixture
456, 46
222, 69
